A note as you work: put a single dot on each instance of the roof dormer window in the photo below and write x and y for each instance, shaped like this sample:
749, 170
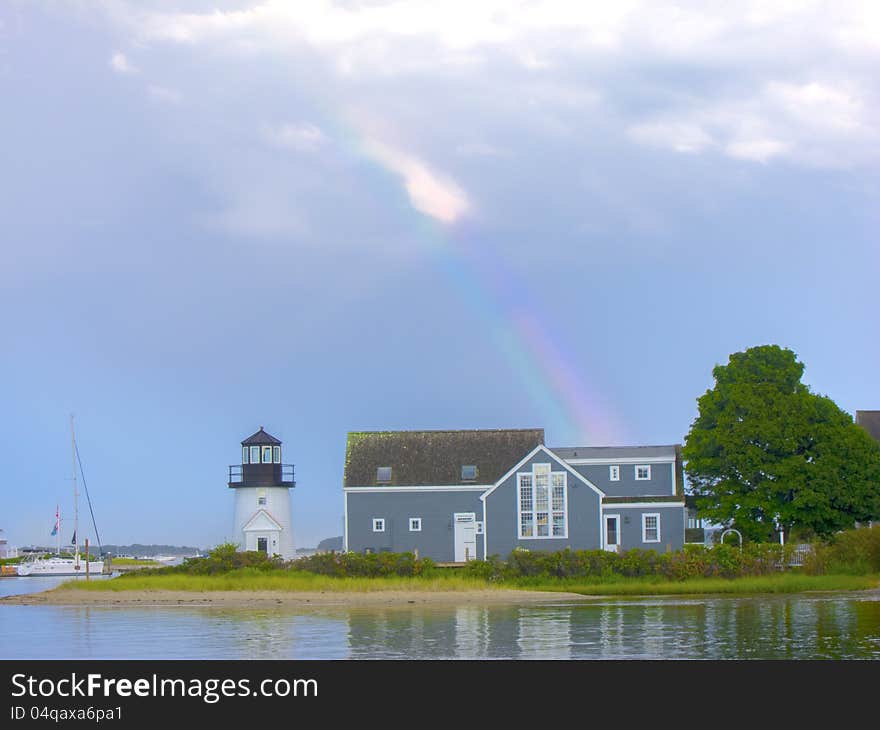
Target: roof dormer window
468, 472
383, 474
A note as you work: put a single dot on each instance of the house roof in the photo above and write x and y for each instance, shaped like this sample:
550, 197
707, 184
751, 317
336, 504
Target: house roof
615, 452
261, 438
423, 458
870, 421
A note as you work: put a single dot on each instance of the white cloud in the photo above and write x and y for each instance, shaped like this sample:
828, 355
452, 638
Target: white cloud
431, 193
679, 136
302, 137
120, 63
757, 149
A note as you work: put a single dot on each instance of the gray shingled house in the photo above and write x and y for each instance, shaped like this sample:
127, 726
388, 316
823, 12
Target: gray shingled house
459, 495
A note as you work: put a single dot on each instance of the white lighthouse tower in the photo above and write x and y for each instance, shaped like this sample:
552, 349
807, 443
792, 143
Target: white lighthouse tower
262, 487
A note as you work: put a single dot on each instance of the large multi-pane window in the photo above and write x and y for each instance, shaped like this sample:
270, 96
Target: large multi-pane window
542, 503
651, 528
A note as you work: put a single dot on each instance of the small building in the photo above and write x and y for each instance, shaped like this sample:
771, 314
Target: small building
262, 509
870, 421
459, 495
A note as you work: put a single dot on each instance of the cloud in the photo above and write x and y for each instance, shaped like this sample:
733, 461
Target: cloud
303, 137
120, 63
431, 193
679, 136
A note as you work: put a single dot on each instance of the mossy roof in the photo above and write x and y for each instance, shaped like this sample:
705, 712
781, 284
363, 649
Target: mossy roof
424, 458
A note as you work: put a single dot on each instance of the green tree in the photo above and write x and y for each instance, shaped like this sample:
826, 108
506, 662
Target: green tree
765, 451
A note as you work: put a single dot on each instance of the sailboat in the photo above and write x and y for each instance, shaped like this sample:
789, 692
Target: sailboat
64, 566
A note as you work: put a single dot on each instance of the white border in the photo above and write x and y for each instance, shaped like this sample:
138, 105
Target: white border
611, 477
636, 472
410, 521
605, 531
413, 488
378, 519
641, 505
650, 514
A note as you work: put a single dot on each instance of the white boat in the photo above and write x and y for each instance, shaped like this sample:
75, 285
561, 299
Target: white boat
74, 565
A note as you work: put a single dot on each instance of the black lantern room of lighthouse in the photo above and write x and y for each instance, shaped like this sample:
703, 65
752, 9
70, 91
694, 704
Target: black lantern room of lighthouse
261, 464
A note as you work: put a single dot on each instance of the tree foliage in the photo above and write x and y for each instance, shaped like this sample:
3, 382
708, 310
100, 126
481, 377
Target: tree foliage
765, 450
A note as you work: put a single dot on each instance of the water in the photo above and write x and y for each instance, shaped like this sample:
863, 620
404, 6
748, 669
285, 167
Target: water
829, 626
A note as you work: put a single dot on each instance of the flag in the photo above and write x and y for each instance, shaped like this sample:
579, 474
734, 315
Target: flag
73, 542
57, 521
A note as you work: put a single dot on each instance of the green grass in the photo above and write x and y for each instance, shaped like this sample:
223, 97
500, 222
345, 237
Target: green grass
781, 583
249, 579
135, 561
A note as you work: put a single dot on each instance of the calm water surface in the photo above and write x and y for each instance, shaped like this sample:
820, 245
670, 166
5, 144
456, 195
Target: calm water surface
839, 626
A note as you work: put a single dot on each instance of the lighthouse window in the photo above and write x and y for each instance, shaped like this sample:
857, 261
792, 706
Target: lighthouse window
276, 454
261, 497
255, 454
244, 454
267, 454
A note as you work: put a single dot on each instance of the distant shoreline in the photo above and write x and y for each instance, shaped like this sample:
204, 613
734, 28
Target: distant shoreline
274, 599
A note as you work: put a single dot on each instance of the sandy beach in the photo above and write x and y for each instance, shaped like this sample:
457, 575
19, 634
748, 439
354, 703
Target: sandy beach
268, 599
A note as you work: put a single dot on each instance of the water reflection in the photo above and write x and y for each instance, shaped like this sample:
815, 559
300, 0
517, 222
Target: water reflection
792, 627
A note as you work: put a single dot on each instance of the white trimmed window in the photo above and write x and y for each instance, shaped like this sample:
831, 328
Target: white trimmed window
267, 454
468, 472
244, 454
643, 472
542, 503
261, 497
415, 524
383, 474
276, 454
255, 454
614, 473
479, 526
651, 527
378, 524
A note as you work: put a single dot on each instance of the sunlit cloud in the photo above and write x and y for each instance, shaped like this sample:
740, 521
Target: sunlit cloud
432, 193
302, 137
120, 63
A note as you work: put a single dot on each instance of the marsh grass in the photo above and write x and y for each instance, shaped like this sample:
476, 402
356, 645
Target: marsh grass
249, 579
651, 586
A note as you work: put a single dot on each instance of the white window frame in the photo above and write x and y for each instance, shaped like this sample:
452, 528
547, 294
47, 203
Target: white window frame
479, 527
415, 521
276, 454
255, 449
262, 499
468, 466
645, 516
378, 524
390, 474
244, 454
642, 466
533, 476
264, 451
605, 518
614, 473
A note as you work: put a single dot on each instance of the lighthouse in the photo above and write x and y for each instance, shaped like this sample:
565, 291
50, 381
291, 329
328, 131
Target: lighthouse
262, 485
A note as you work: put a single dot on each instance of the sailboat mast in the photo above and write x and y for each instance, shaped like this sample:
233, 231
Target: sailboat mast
75, 494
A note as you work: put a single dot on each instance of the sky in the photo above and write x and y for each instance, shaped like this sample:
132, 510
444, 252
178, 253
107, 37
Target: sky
321, 217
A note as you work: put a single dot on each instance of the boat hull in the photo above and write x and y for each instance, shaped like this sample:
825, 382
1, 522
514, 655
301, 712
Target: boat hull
60, 567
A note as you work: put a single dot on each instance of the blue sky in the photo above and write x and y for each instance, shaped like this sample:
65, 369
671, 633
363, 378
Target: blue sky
321, 217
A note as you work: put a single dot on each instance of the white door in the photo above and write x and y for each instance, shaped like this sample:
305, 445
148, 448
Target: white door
465, 536
612, 533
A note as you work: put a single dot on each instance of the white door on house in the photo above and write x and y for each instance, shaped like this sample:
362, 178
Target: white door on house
612, 533
465, 536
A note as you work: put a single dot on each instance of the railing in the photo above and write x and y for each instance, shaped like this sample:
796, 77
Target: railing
262, 475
